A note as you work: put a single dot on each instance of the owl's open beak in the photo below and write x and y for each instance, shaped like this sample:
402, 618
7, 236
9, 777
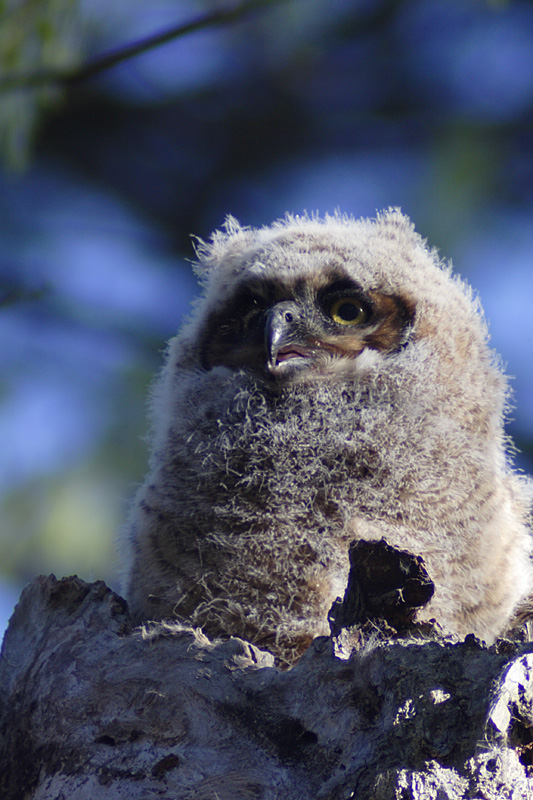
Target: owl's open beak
283, 336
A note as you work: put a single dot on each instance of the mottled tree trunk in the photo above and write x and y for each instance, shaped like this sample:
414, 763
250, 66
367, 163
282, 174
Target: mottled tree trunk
93, 708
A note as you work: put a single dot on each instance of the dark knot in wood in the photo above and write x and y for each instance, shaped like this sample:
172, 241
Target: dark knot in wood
384, 583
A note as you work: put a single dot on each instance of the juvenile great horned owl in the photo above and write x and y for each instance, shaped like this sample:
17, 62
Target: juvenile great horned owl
333, 383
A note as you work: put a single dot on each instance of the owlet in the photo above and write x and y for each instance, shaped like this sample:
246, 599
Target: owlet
333, 383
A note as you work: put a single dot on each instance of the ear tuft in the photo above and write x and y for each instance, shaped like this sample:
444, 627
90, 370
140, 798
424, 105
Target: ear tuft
395, 220
222, 246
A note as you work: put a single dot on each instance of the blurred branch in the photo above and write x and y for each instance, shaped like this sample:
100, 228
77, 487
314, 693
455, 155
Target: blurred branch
67, 77
13, 295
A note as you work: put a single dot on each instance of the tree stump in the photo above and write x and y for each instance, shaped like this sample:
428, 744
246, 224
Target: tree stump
92, 708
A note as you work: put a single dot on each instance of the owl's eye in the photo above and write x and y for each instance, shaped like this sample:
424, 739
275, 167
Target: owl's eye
251, 318
348, 311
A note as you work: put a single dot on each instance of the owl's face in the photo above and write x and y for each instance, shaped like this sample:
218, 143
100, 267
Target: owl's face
283, 329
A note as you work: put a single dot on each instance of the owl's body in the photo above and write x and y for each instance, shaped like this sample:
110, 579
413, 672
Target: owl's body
334, 383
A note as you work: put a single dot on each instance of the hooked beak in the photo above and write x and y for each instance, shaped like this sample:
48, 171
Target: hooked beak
283, 336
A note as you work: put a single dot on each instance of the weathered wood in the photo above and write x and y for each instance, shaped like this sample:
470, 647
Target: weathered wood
93, 708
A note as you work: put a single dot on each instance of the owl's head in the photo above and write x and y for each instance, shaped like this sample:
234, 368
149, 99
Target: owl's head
309, 296
281, 326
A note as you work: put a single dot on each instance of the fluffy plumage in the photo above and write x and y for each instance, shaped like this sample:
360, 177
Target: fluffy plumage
334, 382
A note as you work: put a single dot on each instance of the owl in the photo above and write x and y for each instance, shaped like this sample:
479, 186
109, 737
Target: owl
333, 383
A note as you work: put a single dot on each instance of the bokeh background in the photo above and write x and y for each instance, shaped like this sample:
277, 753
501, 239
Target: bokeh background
302, 105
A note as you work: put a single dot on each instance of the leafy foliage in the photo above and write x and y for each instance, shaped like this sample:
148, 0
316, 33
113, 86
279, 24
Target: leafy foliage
35, 35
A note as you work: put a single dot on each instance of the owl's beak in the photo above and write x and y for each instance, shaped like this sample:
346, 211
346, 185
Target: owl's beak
283, 335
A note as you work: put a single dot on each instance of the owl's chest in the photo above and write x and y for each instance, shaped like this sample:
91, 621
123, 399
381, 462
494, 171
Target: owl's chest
308, 462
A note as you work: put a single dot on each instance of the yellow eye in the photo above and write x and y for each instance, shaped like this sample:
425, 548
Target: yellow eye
347, 311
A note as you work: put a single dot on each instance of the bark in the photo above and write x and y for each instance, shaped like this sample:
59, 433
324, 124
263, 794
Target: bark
91, 707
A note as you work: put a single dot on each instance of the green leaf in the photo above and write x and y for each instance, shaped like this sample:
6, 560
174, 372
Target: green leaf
35, 35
